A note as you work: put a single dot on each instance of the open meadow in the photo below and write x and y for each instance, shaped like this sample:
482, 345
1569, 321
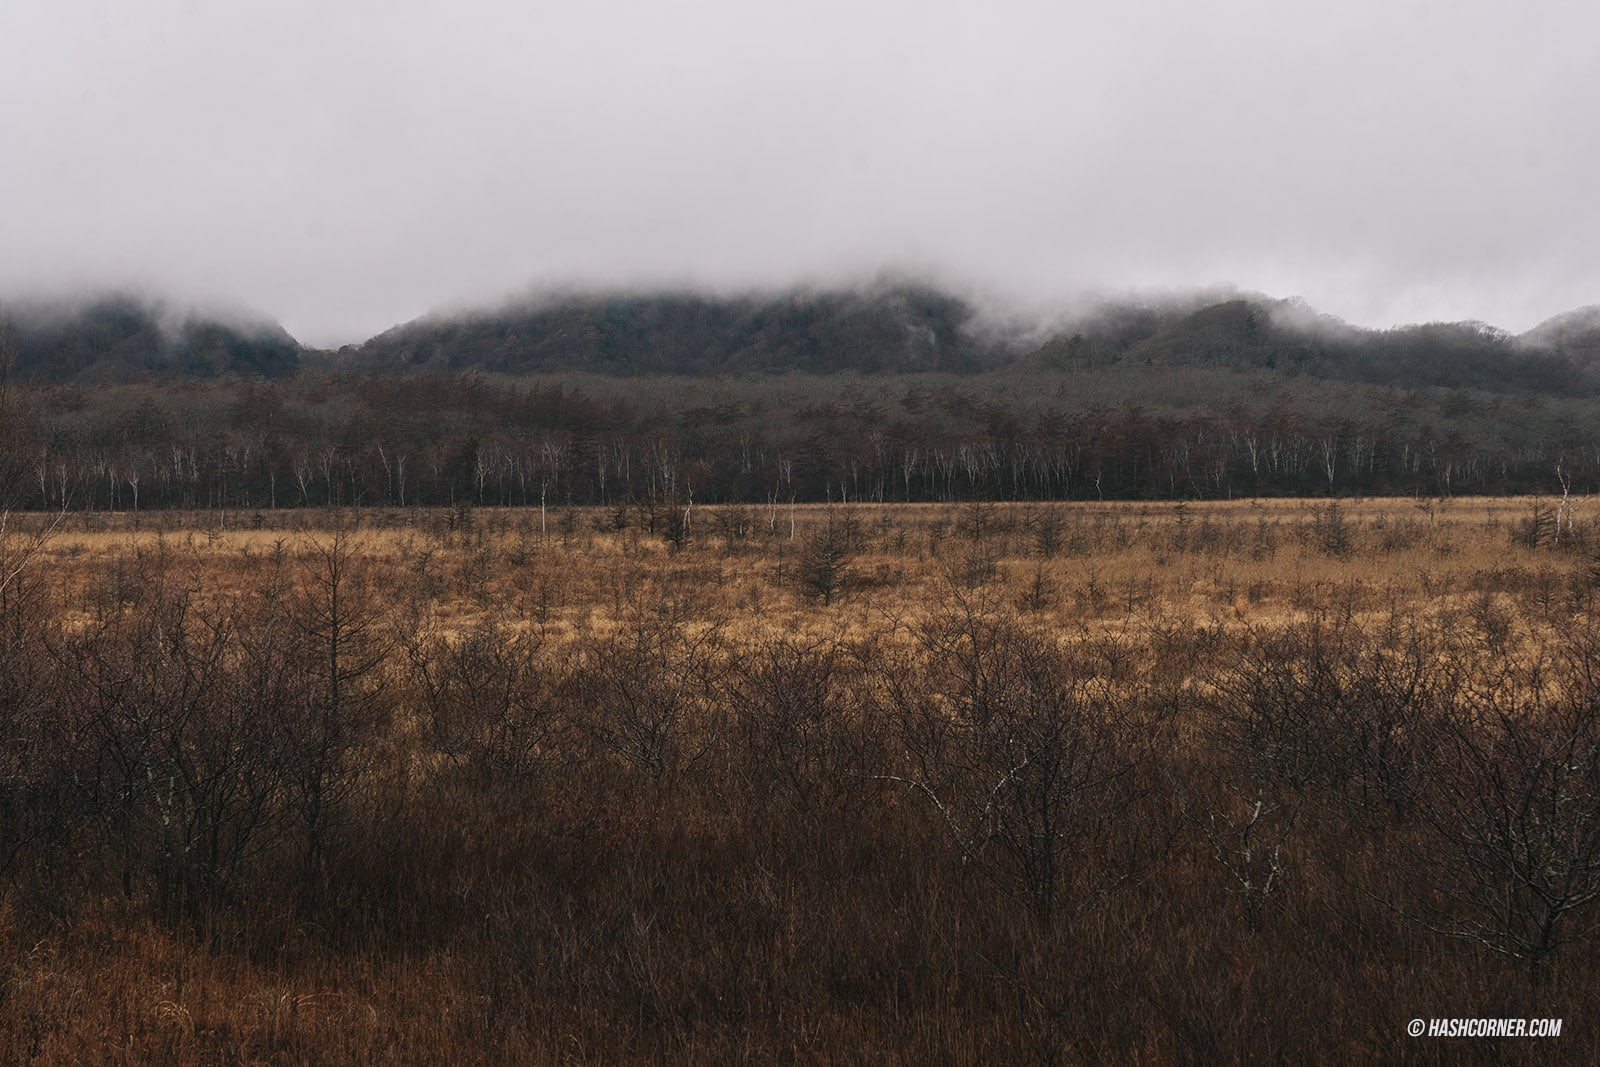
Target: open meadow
965, 783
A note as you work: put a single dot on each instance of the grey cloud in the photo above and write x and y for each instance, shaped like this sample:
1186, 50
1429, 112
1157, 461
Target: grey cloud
346, 166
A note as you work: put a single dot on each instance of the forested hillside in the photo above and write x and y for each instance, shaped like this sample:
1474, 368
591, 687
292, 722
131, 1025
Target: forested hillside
902, 394
120, 337
883, 329
873, 331
912, 329
1119, 433
1557, 357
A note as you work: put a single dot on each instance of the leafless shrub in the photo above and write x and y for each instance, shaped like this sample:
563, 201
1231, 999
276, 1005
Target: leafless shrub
1513, 807
1018, 753
1247, 831
1278, 710
31, 789
801, 737
648, 691
487, 698
1322, 708
176, 757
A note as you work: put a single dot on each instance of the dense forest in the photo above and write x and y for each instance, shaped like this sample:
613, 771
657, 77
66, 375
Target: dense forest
896, 394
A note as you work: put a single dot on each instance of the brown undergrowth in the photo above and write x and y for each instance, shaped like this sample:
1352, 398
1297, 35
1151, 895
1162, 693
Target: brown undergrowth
970, 783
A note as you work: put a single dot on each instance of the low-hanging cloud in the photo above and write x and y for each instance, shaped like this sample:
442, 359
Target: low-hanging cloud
346, 166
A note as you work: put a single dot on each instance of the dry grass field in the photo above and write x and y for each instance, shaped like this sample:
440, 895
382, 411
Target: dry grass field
978, 783
1262, 561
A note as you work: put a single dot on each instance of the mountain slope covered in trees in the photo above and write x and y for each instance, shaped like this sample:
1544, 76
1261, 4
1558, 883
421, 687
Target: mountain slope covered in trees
882, 329
119, 337
674, 398
1561, 356
912, 329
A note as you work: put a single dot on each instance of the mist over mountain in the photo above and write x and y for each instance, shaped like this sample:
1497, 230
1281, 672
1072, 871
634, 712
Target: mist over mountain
887, 328
1257, 332
873, 330
889, 391
1574, 334
910, 328
119, 336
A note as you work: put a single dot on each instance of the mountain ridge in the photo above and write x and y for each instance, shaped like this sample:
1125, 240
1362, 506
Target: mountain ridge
891, 328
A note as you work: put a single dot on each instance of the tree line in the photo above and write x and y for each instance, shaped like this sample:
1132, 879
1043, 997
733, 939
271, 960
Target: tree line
321, 440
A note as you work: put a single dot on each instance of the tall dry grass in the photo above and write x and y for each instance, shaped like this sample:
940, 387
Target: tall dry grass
976, 783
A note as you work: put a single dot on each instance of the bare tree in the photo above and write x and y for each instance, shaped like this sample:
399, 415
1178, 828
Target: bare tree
338, 616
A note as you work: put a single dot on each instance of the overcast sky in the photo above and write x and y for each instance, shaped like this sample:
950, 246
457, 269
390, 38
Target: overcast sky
343, 165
